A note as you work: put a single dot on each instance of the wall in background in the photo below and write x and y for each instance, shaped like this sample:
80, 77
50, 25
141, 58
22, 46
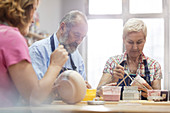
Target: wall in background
68, 5
50, 14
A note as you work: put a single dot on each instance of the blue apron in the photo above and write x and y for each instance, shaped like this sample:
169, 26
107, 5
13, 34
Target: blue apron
53, 48
128, 80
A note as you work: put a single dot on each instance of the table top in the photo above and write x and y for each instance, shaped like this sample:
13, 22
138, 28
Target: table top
82, 107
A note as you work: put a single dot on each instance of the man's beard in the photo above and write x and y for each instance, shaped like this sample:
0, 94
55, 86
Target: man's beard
69, 47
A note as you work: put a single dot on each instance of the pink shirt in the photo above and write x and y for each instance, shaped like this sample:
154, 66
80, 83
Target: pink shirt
13, 49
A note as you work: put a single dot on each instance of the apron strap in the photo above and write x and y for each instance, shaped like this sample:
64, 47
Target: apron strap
147, 73
72, 63
52, 43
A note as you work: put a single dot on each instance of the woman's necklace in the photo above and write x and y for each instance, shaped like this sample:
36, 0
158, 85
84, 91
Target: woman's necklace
133, 66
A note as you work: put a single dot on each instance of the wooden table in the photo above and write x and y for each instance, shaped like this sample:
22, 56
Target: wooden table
82, 107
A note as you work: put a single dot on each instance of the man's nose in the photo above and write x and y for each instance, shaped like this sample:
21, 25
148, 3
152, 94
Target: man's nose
79, 40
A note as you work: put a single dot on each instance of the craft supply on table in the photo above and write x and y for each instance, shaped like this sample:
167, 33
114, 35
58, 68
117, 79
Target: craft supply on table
95, 102
157, 95
111, 93
90, 94
131, 93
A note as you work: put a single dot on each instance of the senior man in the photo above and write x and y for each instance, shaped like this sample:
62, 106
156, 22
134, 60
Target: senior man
72, 30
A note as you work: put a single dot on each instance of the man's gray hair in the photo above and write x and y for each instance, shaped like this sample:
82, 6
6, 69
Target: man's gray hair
71, 18
134, 25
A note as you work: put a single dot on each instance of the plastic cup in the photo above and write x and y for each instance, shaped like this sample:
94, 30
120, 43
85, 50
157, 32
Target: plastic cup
154, 95
111, 93
90, 94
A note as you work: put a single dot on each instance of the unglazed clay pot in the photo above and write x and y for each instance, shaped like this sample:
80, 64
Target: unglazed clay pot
71, 87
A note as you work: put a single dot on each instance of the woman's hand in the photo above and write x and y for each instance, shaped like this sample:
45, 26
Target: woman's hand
144, 92
118, 73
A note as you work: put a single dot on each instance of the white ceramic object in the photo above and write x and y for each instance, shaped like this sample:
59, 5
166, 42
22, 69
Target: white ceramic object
71, 87
138, 81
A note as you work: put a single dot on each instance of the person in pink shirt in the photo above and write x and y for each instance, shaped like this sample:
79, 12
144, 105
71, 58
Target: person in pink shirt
17, 76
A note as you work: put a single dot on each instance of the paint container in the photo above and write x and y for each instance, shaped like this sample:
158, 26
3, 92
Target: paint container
157, 95
111, 93
164, 95
154, 95
90, 94
131, 93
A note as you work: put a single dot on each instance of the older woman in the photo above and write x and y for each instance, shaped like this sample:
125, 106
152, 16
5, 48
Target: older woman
133, 60
17, 76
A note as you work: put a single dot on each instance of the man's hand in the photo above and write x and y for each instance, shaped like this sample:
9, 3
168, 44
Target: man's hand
59, 56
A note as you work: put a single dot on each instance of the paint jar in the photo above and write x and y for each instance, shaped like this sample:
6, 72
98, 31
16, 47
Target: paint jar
158, 95
131, 93
111, 93
90, 94
165, 95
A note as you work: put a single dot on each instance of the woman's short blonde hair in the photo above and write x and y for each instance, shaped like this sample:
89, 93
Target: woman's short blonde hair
16, 12
134, 25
